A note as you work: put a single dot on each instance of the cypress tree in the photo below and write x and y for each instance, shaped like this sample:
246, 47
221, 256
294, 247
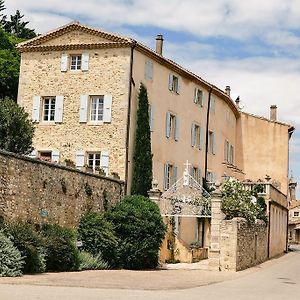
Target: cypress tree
142, 159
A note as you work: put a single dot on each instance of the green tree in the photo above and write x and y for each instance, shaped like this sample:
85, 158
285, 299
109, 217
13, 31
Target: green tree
9, 65
142, 159
18, 27
16, 129
140, 229
239, 202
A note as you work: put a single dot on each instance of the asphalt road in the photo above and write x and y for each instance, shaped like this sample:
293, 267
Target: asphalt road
276, 279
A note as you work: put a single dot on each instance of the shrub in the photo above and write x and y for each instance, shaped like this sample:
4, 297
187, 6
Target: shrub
61, 251
29, 243
140, 228
98, 236
238, 202
89, 262
11, 261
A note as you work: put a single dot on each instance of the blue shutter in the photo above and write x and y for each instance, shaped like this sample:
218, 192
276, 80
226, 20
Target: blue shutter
200, 138
151, 117
196, 95
214, 143
168, 124
176, 128
166, 167
170, 82
178, 86
175, 176
193, 135
104, 161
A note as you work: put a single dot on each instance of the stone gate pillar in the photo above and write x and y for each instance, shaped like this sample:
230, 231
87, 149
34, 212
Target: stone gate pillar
155, 193
216, 217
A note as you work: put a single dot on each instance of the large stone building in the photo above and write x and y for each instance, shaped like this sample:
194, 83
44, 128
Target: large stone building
80, 85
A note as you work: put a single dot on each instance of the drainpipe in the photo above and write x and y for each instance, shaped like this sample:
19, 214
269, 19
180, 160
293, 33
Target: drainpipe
128, 116
269, 227
207, 131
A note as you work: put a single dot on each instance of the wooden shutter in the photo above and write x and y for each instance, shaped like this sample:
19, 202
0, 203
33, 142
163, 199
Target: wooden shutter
193, 135
55, 156
79, 159
166, 167
85, 61
107, 108
214, 143
64, 62
175, 176
148, 70
170, 82
176, 128
196, 95
36, 103
83, 108
200, 138
59, 108
168, 124
151, 117
178, 86
104, 161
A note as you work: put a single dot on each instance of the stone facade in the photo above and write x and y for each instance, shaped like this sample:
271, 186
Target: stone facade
242, 245
41, 192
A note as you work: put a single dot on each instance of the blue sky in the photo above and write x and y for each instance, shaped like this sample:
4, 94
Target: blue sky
253, 46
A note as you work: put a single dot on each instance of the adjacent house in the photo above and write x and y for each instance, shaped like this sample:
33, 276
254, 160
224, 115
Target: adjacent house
80, 85
294, 213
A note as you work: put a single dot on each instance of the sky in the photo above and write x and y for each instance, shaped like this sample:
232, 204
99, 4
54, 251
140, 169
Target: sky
253, 46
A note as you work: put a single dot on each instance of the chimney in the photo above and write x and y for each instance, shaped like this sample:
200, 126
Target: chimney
159, 44
273, 112
227, 90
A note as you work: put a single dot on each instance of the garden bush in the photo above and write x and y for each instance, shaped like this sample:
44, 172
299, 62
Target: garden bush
239, 202
140, 229
61, 251
11, 261
29, 243
88, 261
98, 236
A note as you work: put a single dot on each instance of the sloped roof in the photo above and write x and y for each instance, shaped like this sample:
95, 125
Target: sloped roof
114, 40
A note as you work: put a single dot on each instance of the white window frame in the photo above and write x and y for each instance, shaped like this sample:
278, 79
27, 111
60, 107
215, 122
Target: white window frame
99, 112
75, 62
94, 164
50, 116
174, 84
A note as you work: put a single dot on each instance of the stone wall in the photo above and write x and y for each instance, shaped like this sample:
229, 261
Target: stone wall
242, 245
42, 192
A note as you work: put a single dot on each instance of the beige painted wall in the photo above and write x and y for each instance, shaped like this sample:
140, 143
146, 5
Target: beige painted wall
108, 74
263, 149
167, 150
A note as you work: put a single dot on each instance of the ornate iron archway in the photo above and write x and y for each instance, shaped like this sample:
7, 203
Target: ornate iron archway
186, 198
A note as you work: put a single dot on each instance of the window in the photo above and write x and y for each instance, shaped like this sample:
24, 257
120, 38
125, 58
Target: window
96, 109
174, 84
196, 136
296, 213
94, 160
198, 97
75, 62
196, 175
44, 155
231, 155
170, 175
210, 177
48, 108
212, 142
212, 104
228, 152
172, 126
149, 70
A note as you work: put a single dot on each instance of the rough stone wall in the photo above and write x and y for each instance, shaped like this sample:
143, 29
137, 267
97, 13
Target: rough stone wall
41, 192
108, 74
242, 245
